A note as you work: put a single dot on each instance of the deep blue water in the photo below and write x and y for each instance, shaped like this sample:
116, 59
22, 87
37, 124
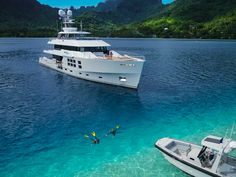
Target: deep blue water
187, 91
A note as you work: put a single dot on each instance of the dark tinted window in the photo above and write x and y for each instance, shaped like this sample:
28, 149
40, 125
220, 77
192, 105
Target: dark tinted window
57, 57
212, 140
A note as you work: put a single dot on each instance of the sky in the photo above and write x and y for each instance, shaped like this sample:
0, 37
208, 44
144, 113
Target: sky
77, 3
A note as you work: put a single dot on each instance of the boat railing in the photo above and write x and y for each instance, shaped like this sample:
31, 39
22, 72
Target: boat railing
120, 55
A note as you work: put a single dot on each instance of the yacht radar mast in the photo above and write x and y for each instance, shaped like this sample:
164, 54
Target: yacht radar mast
81, 25
68, 23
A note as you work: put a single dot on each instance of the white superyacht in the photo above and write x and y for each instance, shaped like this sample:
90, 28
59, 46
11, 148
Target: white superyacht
91, 59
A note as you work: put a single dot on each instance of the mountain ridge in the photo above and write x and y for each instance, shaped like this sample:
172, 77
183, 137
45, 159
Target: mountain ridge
121, 18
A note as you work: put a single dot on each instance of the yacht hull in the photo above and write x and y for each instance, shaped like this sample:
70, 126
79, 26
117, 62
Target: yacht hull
102, 71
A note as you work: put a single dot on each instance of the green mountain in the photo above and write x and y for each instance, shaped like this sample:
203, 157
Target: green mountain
181, 19
107, 22
193, 19
26, 18
122, 18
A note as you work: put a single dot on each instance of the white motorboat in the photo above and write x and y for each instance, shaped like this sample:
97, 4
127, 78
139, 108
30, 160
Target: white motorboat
91, 59
213, 158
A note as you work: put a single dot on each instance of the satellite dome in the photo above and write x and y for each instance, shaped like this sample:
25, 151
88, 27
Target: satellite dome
69, 13
61, 13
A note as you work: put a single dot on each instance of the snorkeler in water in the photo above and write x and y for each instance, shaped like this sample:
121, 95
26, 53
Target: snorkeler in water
113, 131
94, 138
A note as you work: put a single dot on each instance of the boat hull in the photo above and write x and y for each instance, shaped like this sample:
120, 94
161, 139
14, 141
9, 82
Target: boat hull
185, 168
101, 71
182, 162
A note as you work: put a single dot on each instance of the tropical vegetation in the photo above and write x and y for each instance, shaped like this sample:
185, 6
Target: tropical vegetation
122, 18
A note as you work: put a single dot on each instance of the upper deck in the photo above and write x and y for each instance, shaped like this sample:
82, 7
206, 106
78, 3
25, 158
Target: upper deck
70, 36
79, 42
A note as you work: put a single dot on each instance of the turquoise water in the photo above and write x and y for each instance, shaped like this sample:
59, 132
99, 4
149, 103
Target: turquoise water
187, 91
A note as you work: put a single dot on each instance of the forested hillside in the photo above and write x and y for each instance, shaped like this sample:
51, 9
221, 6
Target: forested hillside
181, 19
122, 18
193, 19
26, 18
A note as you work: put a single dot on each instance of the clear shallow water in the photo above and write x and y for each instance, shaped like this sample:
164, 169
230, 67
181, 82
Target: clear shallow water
187, 91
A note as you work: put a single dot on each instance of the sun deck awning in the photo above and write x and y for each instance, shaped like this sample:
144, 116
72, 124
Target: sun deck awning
75, 32
79, 43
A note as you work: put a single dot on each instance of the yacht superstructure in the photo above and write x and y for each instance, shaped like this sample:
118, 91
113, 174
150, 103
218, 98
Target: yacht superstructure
91, 59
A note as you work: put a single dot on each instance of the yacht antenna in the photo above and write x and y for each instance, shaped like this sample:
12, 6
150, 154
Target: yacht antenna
232, 131
81, 25
226, 132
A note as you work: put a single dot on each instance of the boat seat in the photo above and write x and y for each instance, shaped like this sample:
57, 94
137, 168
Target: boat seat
177, 152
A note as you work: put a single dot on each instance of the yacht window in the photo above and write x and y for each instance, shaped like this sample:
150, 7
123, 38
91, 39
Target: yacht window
79, 62
100, 77
71, 62
87, 74
122, 77
57, 47
96, 49
62, 36
82, 49
58, 58
71, 35
80, 67
71, 48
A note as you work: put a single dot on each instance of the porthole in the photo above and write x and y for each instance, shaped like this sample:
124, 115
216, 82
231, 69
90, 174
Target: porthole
87, 74
122, 77
100, 77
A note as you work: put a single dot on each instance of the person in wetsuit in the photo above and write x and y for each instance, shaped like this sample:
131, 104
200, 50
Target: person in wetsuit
113, 131
94, 138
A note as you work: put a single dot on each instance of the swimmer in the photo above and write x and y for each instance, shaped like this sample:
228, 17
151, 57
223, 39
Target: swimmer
94, 138
113, 131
